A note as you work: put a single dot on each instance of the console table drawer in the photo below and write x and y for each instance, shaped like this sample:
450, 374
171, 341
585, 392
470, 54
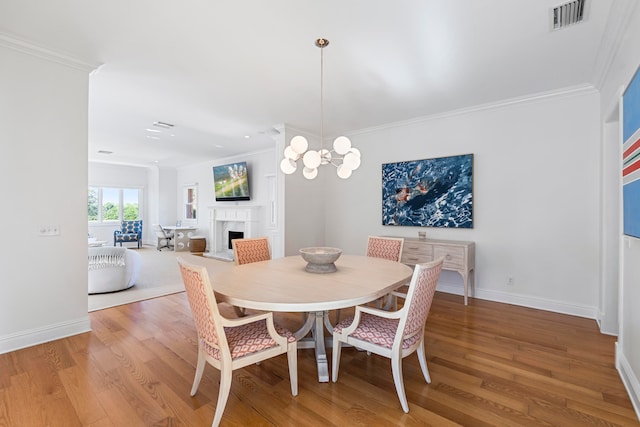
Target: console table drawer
416, 253
454, 257
458, 256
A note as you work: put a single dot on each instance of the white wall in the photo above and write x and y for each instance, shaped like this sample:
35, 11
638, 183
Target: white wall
536, 205
624, 64
260, 165
43, 182
304, 215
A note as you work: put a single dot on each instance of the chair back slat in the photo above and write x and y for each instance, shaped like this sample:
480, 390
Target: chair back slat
385, 247
246, 251
202, 301
420, 296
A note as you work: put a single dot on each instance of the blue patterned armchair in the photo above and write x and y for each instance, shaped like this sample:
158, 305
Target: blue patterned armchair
131, 231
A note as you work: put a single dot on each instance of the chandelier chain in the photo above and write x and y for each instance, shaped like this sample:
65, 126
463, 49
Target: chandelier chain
321, 97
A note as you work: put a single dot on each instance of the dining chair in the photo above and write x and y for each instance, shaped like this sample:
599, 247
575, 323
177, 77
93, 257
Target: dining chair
392, 334
387, 248
381, 247
250, 250
230, 344
246, 251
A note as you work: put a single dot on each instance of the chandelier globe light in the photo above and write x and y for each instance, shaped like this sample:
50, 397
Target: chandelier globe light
343, 156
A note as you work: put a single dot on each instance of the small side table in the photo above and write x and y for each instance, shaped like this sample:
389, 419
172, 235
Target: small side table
197, 243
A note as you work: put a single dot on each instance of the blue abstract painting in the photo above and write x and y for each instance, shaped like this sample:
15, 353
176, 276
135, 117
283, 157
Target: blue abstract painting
429, 193
631, 157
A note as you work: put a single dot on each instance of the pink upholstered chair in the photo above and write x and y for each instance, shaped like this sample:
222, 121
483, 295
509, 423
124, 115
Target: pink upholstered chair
246, 251
381, 247
385, 247
393, 334
229, 344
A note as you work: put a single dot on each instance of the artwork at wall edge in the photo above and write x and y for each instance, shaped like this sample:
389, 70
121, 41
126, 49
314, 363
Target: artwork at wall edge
434, 192
631, 157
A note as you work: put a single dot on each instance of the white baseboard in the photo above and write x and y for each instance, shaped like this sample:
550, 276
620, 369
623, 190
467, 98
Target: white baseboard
629, 379
524, 300
48, 333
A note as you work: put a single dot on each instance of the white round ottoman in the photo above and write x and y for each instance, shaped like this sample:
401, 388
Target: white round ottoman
112, 269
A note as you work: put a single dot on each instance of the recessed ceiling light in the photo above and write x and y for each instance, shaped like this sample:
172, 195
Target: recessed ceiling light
247, 136
219, 146
153, 137
154, 130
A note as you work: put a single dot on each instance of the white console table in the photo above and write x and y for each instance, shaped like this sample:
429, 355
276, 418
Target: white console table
458, 256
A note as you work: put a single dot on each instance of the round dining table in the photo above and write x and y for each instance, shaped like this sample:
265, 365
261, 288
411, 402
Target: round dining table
283, 285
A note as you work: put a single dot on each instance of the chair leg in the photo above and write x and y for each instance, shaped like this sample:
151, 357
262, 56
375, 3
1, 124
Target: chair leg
240, 312
335, 356
292, 357
199, 371
423, 363
396, 367
223, 395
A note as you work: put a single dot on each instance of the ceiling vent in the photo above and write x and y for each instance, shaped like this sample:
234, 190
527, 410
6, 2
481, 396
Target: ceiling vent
567, 14
105, 152
163, 125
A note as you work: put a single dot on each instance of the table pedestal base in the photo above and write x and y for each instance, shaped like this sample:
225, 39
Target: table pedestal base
315, 324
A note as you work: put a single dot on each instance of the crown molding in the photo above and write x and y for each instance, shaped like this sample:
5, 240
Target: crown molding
13, 42
536, 97
617, 23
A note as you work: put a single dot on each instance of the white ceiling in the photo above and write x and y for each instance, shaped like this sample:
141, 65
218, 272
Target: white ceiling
220, 70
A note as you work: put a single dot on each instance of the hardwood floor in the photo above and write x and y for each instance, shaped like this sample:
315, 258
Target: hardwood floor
491, 364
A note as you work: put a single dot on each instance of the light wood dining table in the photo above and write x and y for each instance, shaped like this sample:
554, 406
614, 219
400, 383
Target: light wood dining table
283, 285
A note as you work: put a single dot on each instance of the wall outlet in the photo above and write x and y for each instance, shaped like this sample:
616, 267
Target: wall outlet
49, 230
510, 281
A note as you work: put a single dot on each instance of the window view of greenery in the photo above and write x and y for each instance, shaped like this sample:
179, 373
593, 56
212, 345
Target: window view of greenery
130, 201
93, 204
103, 204
110, 204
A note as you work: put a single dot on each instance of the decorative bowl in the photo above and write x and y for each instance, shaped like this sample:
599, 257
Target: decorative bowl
320, 259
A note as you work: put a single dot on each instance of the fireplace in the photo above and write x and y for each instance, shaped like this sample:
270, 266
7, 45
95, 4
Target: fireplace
235, 235
228, 222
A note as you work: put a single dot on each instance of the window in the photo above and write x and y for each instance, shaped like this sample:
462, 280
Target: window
190, 200
108, 204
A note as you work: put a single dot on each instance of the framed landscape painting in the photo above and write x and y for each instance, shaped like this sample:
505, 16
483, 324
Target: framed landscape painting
429, 193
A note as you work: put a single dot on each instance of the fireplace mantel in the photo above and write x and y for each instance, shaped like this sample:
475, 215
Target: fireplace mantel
223, 219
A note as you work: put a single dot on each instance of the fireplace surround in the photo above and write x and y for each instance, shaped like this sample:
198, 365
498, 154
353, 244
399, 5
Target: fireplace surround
226, 220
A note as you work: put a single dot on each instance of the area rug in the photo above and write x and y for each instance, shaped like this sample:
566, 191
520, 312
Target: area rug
159, 275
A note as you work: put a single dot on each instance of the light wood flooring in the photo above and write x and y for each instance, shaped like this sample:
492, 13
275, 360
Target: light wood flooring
491, 365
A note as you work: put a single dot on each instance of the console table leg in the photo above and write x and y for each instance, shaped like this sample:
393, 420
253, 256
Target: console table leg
465, 279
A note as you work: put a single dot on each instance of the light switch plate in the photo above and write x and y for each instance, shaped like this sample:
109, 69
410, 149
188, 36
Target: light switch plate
49, 230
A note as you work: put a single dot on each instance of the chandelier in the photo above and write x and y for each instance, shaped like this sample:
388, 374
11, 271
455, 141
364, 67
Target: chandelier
345, 158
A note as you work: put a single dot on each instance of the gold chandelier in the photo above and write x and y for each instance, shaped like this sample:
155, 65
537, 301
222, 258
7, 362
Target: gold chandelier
312, 159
